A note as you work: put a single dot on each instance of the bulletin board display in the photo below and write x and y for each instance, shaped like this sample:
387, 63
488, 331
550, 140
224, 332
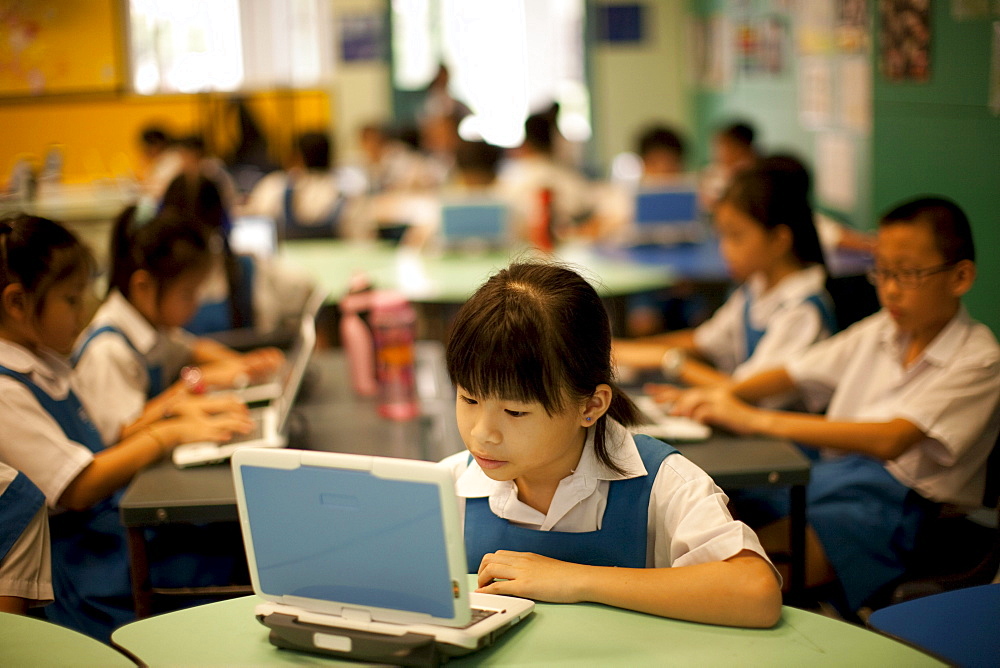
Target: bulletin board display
51, 47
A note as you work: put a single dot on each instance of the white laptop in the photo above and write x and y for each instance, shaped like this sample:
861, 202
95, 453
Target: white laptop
302, 346
671, 428
270, 419
362, 557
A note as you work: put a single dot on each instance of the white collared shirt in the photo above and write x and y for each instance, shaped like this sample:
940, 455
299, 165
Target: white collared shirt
110, 379
791, 323
31, 440
950, 392
688, 522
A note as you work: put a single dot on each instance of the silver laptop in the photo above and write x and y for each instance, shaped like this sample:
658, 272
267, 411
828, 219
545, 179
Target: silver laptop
303, 345
269, 420
362, 557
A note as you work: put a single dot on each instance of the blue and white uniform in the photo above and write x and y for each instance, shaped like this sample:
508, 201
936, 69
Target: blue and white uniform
868, 513
759, 329
115, 372
25, 551
685, 522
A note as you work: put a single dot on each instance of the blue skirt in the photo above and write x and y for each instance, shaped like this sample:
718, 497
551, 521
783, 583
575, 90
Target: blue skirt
866, 520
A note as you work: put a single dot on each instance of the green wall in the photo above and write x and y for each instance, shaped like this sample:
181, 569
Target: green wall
938, 137
941, 138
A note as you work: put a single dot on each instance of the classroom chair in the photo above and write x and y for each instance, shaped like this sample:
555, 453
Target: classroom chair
959, 627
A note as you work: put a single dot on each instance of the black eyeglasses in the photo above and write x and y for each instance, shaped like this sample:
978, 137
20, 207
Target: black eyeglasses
906, 278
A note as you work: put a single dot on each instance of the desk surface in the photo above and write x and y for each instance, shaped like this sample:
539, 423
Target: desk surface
338, 421
26, 641
452, 278
227, 633
702, 262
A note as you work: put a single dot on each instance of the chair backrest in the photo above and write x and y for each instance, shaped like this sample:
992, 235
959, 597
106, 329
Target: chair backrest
991, 495
854, 298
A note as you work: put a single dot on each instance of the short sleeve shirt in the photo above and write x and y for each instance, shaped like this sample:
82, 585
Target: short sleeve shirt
31, 441
950, 392
688, 522
110, 379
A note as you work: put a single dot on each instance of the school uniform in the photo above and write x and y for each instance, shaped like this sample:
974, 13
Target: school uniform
758, 329
270, 294
45, 432
122, 361
523, 180
686, 521
25, 553
868, 513
307, 204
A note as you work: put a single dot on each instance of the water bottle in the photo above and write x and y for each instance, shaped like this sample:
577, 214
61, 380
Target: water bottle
393, 323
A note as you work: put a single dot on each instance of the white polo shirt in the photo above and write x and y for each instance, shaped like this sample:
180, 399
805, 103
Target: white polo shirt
688, 522
110, 379
950, 392
791, 324
26, 570
31, 441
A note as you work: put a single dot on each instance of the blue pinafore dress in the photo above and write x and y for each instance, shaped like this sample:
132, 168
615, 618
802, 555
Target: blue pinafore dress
322, 229
154, 371
621, 540
90, 575
867, 521
19, 503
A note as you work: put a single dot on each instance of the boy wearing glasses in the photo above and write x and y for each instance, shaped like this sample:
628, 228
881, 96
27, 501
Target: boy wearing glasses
912, 406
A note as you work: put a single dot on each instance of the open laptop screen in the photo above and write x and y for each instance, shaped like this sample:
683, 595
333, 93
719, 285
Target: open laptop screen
658, 207
465, 220
348, 537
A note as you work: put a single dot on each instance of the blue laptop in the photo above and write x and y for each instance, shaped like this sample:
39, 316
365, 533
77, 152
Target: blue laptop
474, 223
362, 557
667, 216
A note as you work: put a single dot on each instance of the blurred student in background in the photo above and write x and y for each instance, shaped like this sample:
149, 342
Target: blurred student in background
241, 291
543, 188
661, 152
769, 243
306, 200
733, 150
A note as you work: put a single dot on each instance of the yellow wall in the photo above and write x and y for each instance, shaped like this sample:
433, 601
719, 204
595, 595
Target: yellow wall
99, 136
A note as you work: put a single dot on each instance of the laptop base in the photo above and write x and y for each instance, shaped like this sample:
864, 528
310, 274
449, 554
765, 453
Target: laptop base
408, 649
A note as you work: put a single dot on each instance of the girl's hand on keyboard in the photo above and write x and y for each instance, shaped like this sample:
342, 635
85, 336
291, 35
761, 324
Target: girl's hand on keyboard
205, 405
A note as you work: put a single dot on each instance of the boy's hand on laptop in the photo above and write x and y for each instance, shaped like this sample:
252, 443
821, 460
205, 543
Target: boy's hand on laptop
530, 575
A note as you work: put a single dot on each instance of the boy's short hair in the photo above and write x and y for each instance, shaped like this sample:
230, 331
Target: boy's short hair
740, 133
315, 149
660, 137
949, 225
478, 156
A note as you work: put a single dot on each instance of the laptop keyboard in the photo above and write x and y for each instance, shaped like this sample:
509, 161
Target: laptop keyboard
478, 615
254, 434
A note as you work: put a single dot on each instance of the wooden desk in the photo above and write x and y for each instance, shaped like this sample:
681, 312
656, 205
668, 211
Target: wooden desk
227, 633
330, 417
27, 641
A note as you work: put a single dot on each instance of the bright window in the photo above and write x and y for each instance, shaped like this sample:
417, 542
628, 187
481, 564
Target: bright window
189, 46
506, 60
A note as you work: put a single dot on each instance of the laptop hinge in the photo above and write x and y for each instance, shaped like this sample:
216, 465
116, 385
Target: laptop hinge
356, 615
